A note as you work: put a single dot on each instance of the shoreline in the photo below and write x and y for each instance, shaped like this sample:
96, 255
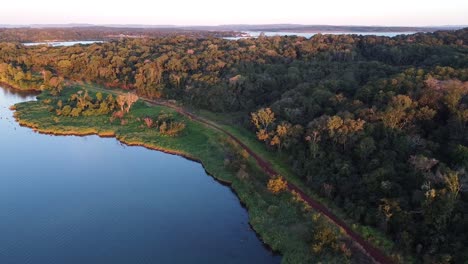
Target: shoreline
121, 139
18, 89
274, 244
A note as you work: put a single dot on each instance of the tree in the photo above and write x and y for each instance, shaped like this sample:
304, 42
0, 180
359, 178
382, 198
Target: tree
324, 236
55, 85
316, 128
99, 96
125, 101
452, 181
399, 112
454, 92
263, 118
148, 121
277, 185
65, 66
388, 208
19, 76
130, 99
341, 130
365, 147
280, 135
120, 100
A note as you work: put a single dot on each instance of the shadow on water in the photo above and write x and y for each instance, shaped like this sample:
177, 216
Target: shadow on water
18, 95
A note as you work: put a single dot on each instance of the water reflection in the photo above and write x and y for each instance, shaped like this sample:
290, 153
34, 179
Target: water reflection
90, 200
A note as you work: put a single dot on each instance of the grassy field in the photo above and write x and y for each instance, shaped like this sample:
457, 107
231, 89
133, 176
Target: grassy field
282, 222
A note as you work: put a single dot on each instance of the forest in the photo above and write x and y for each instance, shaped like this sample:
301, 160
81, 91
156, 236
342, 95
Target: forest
375, 125
90, 32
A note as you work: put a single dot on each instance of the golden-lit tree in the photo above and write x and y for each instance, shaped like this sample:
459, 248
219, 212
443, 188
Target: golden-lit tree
120, 100
263, 118
130, 99
277, 185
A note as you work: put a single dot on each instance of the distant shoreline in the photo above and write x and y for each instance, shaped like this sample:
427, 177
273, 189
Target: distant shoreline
38, 33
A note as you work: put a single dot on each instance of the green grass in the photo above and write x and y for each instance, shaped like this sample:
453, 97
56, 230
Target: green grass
280, 222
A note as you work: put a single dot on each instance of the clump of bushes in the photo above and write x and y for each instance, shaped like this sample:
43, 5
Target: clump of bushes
148, 122
165, 124
326, 238
83, 104
236, 158
277, 185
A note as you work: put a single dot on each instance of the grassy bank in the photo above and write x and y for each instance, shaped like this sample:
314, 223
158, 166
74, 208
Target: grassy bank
280, 220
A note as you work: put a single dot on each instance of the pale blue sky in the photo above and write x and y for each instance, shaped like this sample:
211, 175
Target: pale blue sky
212, 12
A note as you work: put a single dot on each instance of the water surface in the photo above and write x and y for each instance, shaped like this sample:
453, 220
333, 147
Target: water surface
255, 34
63, 43
93, 200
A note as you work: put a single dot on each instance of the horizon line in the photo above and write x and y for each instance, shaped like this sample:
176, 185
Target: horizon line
221, 25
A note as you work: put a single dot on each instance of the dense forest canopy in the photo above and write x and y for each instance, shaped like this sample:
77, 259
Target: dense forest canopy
377, 125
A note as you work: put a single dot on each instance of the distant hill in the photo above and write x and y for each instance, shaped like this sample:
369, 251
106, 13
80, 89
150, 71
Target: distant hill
326, 28
76, 32
253, 27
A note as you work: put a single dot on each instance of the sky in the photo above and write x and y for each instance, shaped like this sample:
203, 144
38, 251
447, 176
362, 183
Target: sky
212, 12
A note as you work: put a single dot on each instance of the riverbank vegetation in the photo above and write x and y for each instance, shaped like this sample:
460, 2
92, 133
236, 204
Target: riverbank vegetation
21, 79
374, 126
283, 221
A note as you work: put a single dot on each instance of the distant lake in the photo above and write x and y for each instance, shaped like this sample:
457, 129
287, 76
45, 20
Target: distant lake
255, 34
62, 43
93, 200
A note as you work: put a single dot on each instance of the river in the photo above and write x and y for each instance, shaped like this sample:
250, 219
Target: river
255, 34
63, 43
93, 200
249, 34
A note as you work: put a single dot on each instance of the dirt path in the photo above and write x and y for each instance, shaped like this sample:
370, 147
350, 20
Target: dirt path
376, 254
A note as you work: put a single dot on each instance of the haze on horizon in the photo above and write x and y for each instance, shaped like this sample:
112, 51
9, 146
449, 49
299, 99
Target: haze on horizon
211, 12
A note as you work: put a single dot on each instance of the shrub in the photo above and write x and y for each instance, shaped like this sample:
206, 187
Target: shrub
66, 110
118, 114
75, 112
277, 185
325, 237
174, 128
89, 106
148, 121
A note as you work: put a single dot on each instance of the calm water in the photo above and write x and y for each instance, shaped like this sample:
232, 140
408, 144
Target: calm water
255, 34
62, 43
92, 200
